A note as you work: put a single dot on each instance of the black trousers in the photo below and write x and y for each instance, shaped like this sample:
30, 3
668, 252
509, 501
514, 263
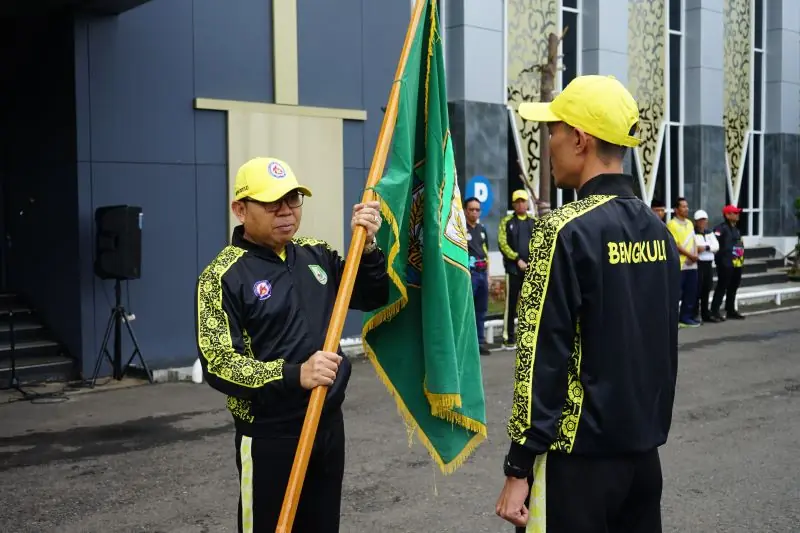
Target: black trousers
513, 286
264, 466
706, 271
728, 280
602, 495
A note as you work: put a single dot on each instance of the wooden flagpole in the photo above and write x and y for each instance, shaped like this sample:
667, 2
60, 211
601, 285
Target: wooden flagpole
334, 334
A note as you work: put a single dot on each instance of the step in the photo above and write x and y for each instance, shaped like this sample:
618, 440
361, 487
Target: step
25, 329
36, 361
775, 275
760, 252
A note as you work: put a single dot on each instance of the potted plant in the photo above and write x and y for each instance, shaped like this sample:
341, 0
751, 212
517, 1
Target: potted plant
794, 270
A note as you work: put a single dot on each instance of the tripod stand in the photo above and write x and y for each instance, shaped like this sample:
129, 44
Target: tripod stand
118, 316
13, 380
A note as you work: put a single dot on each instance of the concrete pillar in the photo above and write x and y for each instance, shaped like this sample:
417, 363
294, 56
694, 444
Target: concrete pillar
605, 38
475, 64
704, 173
782, 128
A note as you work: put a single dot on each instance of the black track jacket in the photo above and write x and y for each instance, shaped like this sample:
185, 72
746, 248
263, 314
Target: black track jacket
597, 341
259, 318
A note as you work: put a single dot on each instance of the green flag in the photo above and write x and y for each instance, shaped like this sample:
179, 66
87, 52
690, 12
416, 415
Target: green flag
424, 343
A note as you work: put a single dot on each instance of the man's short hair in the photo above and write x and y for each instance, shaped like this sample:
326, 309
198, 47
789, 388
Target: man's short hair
678, 202
607, 151
471, 199
655, 204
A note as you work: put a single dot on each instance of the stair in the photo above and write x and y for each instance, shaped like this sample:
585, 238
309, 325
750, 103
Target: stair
38, 356
761, 267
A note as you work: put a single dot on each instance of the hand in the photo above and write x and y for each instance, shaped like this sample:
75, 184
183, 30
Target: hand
511, 504
522, 264
367, 215
319, 370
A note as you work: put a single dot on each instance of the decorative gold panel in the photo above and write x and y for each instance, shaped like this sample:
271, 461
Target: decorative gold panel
293, 138
737, 90
647, 36
529, 24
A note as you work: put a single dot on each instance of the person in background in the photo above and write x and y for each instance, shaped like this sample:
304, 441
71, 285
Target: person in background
478, 249
730, 260
659, 209
514, 237
683, 232
707, 246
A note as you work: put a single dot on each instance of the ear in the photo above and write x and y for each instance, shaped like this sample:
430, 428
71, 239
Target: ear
580, 141
239, 210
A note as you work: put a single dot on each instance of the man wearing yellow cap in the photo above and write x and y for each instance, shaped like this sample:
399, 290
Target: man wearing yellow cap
597, 336
513, 237
263, 307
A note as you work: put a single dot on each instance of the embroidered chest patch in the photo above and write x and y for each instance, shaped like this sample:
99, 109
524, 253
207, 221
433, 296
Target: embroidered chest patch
320, 274
262, 289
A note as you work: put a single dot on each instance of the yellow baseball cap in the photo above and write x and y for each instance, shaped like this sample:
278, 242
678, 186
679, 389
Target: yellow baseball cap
520, 194
599, 105
266, 179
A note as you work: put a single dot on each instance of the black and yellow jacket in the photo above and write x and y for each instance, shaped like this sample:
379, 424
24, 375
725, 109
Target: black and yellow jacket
513, 236
260, 317
597, 341
731, 246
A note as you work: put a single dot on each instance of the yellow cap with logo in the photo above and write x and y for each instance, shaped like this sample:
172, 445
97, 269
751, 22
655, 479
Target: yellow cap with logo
266, 179
520, 194
599, 105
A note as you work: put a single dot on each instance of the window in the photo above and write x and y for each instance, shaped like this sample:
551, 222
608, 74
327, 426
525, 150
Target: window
751, 187
669, 176
571, 47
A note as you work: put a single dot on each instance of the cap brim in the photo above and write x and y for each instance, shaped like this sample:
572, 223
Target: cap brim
277, 194
537, 112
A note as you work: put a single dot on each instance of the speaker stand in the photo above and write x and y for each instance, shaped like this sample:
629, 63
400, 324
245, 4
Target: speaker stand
118, 316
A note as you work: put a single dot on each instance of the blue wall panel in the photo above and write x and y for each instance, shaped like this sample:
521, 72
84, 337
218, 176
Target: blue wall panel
329, 52
211, 137
233, 49
162, 298
212, 212
384, 29
141, 84
141, 142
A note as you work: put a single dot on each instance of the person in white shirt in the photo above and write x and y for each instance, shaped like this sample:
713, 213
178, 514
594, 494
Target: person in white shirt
706, 245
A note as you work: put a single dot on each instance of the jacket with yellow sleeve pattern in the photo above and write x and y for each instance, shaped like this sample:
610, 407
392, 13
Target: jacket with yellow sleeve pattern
597, 340
259, 317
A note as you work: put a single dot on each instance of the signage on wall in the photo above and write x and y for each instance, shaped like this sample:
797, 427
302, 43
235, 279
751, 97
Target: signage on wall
479, 187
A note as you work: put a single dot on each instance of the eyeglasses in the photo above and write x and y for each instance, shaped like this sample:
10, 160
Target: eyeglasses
293, 199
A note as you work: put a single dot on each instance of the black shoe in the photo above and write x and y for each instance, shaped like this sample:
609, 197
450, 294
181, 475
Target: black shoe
713, 319
484, 350
734, 315
718, 317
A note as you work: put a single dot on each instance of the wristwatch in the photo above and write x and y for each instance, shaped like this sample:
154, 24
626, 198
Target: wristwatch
512, 470
371, 246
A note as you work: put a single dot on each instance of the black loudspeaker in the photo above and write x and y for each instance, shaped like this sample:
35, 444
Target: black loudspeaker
118, 251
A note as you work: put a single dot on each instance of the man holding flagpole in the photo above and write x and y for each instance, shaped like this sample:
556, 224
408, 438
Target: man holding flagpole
596, 351
263, 305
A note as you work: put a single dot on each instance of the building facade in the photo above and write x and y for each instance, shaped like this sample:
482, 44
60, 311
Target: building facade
717, 81
156, 103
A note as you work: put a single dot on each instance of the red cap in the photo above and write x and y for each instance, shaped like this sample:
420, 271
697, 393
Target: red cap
731, 209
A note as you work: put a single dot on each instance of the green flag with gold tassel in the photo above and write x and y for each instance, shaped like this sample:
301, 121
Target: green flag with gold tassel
424, 343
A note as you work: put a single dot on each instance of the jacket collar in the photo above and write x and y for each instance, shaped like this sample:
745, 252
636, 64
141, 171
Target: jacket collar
238, 240
613, 184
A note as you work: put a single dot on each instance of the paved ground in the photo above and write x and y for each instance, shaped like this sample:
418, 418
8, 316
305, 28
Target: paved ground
159, 459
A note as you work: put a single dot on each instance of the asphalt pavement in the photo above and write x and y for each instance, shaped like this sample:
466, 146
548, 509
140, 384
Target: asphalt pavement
160, 458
